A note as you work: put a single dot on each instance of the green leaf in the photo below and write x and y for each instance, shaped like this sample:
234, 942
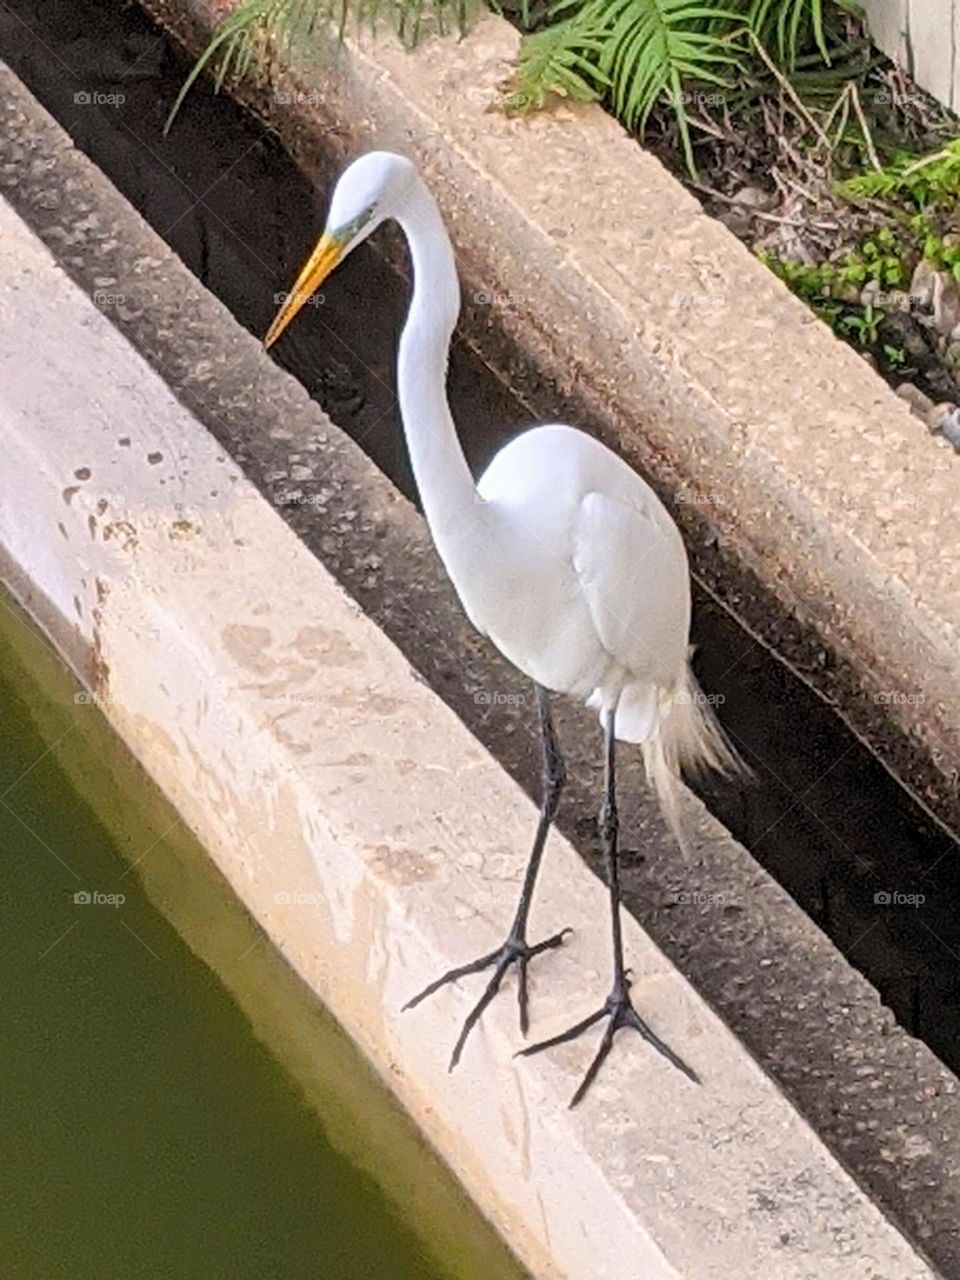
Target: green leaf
638, 51
290, 23
783, 25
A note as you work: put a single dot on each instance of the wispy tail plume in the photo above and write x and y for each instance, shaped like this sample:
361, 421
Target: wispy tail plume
688, 739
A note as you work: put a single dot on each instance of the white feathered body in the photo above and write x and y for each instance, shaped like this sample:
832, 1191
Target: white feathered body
581, 580
584, 584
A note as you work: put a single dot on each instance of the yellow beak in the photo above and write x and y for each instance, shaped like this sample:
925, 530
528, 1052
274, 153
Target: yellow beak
318, 266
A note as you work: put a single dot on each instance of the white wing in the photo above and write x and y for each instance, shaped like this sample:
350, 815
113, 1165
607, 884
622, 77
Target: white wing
632, 568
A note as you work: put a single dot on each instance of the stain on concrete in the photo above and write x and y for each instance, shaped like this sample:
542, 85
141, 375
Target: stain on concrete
248, 646
381, 704
399, 864
326, 647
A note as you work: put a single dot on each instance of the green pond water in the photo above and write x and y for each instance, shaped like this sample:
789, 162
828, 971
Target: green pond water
173, 1102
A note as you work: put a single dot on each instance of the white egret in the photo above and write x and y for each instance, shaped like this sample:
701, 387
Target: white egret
561, 554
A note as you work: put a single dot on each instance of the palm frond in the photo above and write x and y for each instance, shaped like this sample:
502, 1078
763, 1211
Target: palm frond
289, 24
633, 51
785, 25
231, 39
562, 60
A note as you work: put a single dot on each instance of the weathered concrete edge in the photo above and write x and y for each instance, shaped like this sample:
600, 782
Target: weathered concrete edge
296, 742
656, 324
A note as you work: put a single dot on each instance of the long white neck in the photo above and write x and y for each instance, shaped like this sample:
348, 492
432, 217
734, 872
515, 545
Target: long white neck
447, 490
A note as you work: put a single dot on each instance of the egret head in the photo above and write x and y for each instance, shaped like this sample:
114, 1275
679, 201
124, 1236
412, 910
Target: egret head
373, 188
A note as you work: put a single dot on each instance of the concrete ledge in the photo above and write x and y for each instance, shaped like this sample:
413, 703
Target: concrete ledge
294, 739
619, 303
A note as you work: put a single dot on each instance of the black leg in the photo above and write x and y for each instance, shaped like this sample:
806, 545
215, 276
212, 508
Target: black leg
617, 1007
516, 949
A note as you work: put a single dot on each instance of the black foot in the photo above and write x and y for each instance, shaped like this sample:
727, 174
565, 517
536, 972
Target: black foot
514, 951
621, 1013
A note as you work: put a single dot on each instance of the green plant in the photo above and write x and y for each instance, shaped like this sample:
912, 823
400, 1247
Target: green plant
913, 212
917, 181
833, 289
942, 253
786, 25
861, 325
634, 53
286, 24
631, 53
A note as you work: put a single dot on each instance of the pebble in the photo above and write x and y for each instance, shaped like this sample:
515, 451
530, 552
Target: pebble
946, 303
945, 419
735, 220
753, 198
868, 294
921, 283
921, 404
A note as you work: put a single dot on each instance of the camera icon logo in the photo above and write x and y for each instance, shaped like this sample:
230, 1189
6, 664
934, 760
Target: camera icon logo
82, 897
882, 898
